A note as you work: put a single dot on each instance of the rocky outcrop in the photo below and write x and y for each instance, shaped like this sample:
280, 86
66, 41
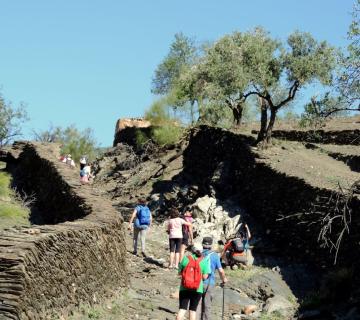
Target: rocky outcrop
125, 129
348, 137
290, 209
52, 267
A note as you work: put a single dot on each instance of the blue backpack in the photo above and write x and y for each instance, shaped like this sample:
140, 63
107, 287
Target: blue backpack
82, 173
144, 215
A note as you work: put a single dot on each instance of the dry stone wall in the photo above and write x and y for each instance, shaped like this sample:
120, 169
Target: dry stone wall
223, 163
349, 137
51, 268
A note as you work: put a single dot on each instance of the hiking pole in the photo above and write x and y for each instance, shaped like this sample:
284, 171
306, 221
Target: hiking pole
223, 302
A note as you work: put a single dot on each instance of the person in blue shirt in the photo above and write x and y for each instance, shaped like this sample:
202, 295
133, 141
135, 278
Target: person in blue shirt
209, 283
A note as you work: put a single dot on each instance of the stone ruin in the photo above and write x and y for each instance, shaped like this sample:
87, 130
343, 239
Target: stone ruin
125, 129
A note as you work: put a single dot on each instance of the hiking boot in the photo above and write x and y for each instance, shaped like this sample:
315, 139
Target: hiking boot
134, 253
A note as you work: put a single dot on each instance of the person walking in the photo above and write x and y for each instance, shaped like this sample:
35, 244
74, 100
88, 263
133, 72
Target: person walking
187, 232
204, 308
174, 229
193, 270
140, 222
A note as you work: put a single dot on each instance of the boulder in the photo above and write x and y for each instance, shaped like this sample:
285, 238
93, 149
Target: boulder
279, 304
215, 218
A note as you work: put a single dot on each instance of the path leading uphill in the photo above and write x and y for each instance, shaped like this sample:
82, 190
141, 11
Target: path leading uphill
152, 294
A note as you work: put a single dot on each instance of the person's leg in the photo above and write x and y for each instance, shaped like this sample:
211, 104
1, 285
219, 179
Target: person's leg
206, 303
172, 253
181, 314
177, 252
143, 240
182, 251
135, 239
184, 300
195, 299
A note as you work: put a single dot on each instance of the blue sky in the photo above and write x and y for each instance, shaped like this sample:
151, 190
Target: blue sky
91, 62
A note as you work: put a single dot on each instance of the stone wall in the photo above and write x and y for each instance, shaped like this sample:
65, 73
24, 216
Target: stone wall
125, 129
350, 137
223, 163
49, 269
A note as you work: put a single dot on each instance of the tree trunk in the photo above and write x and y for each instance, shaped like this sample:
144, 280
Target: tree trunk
263, 120
237, 114
192, 113
270, 125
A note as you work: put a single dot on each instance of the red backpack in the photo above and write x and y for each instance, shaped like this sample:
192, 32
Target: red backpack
191, 275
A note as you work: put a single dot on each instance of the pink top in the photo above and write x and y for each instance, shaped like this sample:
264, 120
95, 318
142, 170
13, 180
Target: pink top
175, 228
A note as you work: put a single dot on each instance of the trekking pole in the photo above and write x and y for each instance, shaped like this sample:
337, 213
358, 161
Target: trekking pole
223, 302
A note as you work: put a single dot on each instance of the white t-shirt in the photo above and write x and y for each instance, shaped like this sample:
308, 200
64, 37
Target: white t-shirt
175, 228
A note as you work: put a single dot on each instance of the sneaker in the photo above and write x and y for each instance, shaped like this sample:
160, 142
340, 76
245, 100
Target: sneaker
144, 254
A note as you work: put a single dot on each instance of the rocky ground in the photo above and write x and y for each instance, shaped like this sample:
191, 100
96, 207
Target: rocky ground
153, 290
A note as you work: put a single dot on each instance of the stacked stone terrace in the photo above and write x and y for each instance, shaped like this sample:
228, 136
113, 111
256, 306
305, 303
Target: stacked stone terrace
76, 255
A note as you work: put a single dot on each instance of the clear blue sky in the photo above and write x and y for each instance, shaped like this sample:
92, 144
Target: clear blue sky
91, 62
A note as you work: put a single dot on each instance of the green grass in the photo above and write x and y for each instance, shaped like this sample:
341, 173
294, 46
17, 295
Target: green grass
5, 191
272, 316
246, 274
12, 212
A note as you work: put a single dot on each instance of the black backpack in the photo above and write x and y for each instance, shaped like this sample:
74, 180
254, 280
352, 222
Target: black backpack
237, 245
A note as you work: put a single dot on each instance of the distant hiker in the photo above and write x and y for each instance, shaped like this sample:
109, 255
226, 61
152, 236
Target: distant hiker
174, 229
69, 161
82, 162
193, 270
187, 232
236, 250
140, 222
209, 284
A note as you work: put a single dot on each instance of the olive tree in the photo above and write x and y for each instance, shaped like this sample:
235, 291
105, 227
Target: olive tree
11, 120
74, 141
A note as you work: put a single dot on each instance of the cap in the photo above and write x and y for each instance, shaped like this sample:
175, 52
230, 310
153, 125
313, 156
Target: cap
207, 242
197, 247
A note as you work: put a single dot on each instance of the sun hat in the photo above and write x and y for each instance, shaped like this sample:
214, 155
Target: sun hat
197, 247
207, 242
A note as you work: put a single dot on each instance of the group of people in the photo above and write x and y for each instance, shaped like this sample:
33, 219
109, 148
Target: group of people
198, 269
85, 167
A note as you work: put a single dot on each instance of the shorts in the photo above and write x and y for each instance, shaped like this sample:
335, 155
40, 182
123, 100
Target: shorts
185, 239
189, 299
175, 244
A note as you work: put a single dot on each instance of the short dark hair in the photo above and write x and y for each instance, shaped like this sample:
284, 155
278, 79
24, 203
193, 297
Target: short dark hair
142, 201
174, 213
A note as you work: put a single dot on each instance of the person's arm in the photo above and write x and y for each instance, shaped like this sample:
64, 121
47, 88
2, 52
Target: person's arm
222, 275
248, 232
133, 216
226, 247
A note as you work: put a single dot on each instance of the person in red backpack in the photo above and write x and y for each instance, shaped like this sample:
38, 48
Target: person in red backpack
193, 270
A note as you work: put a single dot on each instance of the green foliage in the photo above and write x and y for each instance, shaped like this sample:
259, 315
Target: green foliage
11, 120
349, 79
73, 141
167, 135
317, 111
11, 211
182, 53
158, 113
4, 185
141, 138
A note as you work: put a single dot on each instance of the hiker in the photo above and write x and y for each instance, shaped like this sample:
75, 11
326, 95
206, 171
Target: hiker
187, 232
82, 162
236, 250
174, 229
140, 222
193, 270
209, 284
69, 161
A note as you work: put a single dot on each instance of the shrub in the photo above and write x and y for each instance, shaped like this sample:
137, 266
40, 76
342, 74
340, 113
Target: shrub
167, 134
